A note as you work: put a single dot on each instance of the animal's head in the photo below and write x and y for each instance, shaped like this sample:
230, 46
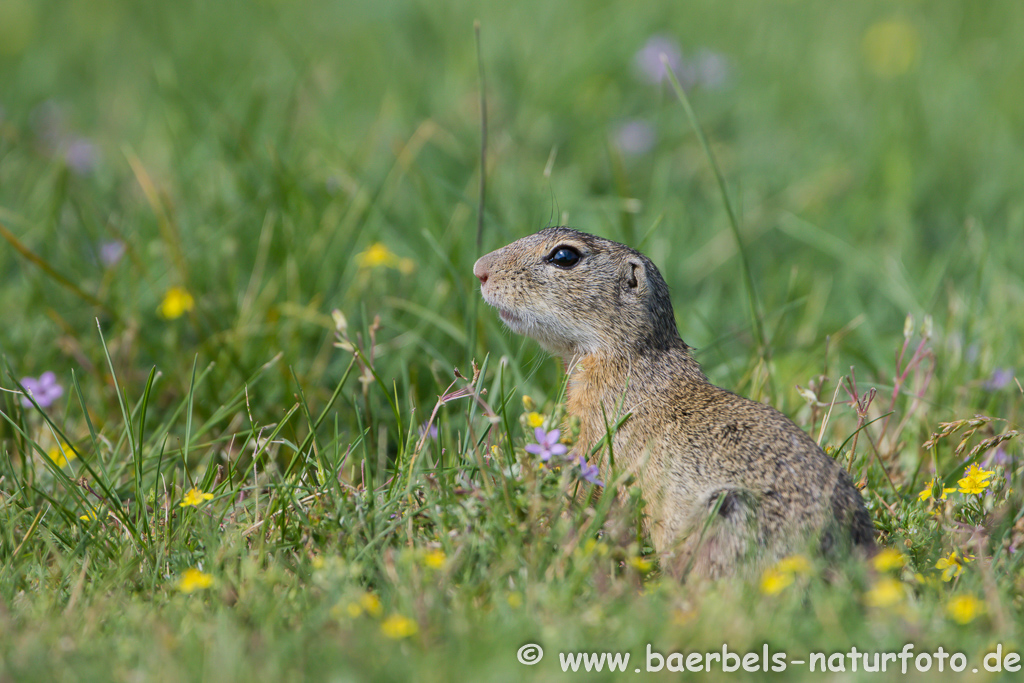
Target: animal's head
578, 294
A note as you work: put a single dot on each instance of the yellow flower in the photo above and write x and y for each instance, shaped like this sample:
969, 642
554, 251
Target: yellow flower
640, 564
195, 497
515, 599
528, 403
952, 566
683, 616
777, 578
594, 546
396, 626
963, 609
927, 492
891, 47
794, 564
931, 580
774, 581
886, 592
534, 420
434, 559
888, 559
193, 579
177, 302
89, 516
352, 609
61, 454
377, 255
975, 480
370, 603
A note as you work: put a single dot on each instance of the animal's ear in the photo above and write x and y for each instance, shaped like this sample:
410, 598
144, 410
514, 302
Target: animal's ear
633, 277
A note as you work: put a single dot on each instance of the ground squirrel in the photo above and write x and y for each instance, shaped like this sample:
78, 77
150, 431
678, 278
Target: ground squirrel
729, 483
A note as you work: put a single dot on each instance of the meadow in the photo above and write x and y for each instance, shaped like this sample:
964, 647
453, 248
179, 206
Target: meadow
256, 423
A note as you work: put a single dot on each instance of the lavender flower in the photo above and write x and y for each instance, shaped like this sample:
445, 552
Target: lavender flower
648, 60
111, 253
431, 432
80, 156
707, 68
588, 472
1000, 378
1000, 458
635, 137
711, 69
50, 124
44, 390
547, 444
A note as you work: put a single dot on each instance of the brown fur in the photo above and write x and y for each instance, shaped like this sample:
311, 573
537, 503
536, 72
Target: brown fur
729, 483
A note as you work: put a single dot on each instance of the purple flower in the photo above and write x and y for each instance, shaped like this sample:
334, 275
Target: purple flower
635, 137
44, 390
1000, 378
648, 60
547, 444
589, 472
50, 124
999, 457
707, 68
711, 69
111, 252
80, 156
432, 432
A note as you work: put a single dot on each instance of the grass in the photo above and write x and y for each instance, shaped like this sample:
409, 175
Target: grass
248, 157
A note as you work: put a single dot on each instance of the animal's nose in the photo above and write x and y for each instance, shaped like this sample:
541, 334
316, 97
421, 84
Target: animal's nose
480, 269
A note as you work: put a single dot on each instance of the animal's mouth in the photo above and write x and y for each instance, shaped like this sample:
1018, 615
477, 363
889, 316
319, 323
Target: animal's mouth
504, 313
511, 318
508, 316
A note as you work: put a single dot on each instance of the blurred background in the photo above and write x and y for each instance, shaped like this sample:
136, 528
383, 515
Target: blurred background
210, 180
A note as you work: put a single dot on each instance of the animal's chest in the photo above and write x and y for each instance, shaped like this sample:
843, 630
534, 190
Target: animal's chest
604, 414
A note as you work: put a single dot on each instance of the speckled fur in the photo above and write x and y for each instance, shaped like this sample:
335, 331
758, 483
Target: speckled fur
730, 484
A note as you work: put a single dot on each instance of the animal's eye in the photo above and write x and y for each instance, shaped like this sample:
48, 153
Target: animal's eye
564, 257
